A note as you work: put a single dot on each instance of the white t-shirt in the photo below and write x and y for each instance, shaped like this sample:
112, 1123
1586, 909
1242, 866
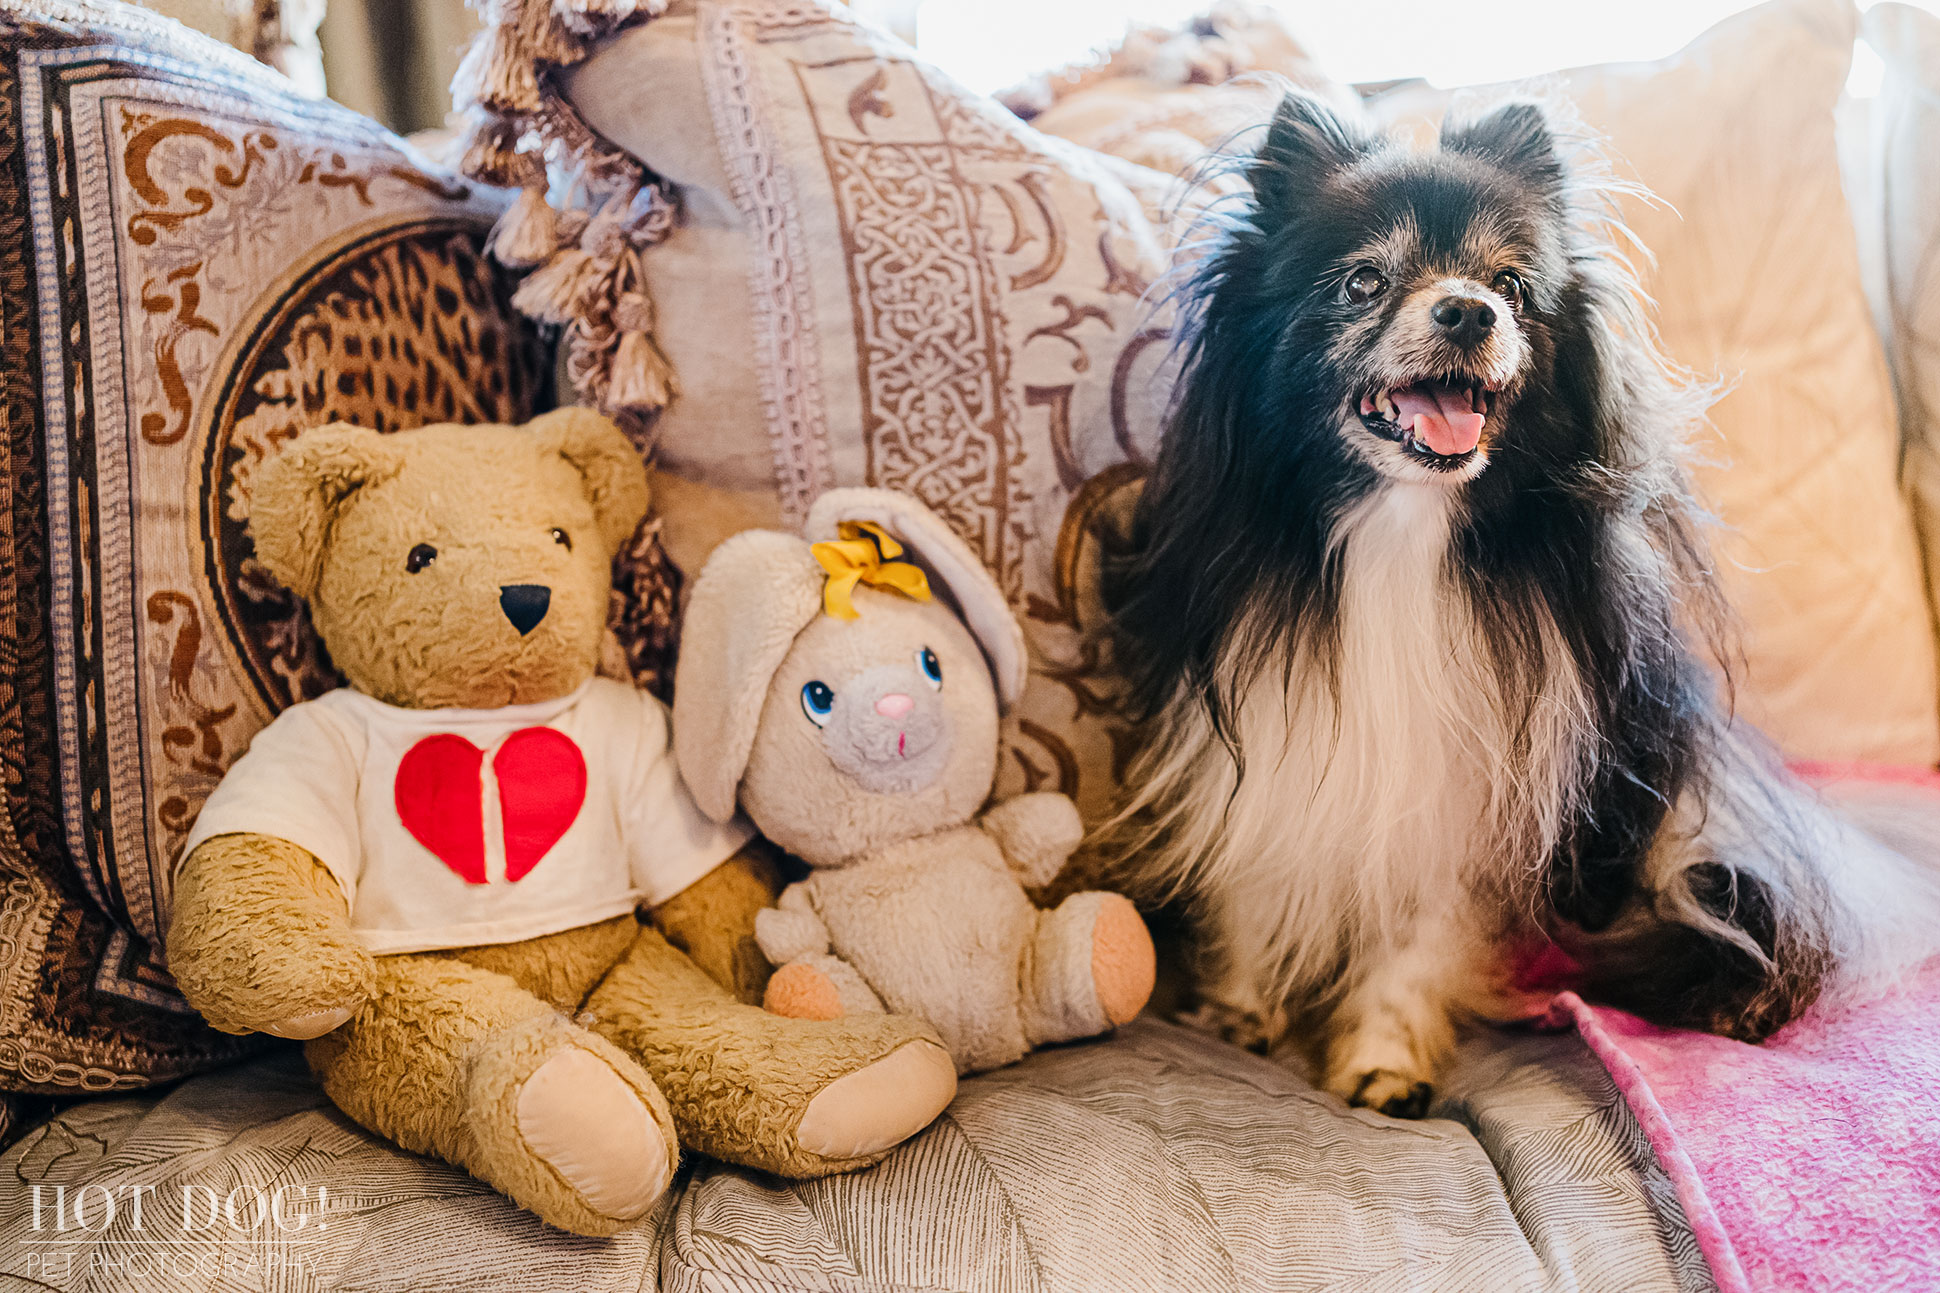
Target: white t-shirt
460, 827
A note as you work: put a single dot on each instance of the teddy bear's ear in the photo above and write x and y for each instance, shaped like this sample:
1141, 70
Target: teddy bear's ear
948, 561
296, 496
616, 479
757, 592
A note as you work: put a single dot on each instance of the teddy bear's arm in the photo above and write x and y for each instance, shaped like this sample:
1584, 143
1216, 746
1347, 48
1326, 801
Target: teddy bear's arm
260, 939
1037, 833
713, 919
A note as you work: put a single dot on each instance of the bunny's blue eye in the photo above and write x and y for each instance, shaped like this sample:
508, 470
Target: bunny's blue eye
932, 668
817, 701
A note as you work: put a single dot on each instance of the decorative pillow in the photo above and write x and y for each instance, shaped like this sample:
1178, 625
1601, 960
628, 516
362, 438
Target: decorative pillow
1164, 96
195, 262
1757, 282
1904, 165
881, 278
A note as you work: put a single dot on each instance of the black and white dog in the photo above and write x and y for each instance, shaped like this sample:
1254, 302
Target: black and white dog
1414, 611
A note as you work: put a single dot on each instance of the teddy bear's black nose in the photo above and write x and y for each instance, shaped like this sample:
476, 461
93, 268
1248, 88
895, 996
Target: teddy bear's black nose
525, 605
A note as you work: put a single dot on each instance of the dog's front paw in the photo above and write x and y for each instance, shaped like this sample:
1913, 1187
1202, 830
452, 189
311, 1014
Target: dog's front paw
1398, 1095
1257, 1029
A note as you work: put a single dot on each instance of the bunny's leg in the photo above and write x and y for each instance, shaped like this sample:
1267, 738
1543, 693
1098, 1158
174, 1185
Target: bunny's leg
1090, 968
820, 987
810, 983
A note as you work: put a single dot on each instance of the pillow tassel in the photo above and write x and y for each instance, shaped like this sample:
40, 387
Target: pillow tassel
492, 154
597, 17
498, 74
529, 232
641, 379
555, 291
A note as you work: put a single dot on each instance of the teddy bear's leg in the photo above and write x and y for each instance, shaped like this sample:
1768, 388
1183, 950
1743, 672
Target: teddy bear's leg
820, 987
712, 920
462, 1062
1091, 968
798, 1097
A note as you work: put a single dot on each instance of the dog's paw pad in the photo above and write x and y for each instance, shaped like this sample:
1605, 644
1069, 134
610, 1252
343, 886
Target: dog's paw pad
1395, 1094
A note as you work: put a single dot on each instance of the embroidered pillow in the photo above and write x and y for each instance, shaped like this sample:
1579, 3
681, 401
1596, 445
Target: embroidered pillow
196, 261
882, 279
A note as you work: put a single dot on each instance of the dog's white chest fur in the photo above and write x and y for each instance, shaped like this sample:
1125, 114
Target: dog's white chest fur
1376, 801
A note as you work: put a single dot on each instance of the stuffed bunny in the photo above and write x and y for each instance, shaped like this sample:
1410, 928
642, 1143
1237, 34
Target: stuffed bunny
844, 689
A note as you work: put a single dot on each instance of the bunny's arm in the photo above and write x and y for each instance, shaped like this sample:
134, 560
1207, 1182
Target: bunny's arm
790, 930
808, 982
1037, 833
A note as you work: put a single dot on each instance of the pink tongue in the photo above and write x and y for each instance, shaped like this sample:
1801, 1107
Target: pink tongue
1439, 415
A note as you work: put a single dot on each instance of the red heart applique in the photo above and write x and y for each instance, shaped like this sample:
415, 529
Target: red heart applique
541, 786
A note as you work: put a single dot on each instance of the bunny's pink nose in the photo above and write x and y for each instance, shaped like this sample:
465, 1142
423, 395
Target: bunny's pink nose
894, 705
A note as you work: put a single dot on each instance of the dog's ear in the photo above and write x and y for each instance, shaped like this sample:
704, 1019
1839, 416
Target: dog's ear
1306, 142
1515, 137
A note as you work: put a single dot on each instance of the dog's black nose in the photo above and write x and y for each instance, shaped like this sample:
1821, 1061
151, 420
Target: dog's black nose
1466, 321
525, 605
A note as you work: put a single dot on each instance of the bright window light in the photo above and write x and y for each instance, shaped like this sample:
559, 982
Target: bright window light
989, 44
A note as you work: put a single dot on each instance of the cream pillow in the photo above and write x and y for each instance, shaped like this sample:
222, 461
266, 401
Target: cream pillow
1756, 276
1903, 165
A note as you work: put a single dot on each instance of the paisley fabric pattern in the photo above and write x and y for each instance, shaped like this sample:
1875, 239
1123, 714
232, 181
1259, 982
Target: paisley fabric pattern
196, 262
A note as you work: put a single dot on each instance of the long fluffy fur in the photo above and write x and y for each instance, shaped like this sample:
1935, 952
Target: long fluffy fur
1397, 719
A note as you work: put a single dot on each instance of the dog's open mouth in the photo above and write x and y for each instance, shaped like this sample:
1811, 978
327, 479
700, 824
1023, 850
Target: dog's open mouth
1438, 420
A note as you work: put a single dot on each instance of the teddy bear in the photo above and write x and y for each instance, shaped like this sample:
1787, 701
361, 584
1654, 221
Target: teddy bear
844, 689
431, 875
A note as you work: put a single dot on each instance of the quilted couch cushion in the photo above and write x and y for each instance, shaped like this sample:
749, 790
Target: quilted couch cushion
195, 262
1753, 263
1156, 1161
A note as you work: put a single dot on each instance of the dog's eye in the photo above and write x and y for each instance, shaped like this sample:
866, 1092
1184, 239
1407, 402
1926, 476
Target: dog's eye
1508, 286
932, 668
1364, 284
561, 538
420, 557
818, 699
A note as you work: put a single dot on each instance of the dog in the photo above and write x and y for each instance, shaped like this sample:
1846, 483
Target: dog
1419, 616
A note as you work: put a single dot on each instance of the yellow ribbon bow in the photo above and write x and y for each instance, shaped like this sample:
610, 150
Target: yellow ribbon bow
865, 554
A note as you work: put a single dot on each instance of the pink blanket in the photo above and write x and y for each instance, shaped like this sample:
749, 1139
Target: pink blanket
1811, 1162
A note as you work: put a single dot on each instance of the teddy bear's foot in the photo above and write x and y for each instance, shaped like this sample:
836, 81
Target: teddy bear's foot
462, 1062
877, 1108
1092, 969
820, 987
567, 1132
797, 1097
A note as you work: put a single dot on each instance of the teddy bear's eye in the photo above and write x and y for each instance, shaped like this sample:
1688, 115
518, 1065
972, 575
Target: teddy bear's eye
932, 668
561, 538
420, 557
817, 700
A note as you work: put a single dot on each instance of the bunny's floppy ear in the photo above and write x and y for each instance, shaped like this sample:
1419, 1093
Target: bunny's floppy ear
616, 479
297, 496
950, 565
757, 592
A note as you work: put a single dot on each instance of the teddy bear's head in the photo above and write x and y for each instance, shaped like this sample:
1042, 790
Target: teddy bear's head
454, 566
845, 687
